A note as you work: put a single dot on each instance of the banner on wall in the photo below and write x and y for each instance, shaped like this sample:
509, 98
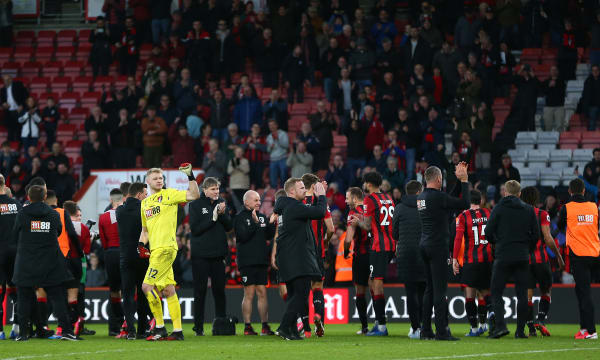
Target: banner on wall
26, 8
340, 307
110, 179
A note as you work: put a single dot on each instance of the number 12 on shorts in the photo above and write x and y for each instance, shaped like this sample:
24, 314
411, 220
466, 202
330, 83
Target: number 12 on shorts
152, 273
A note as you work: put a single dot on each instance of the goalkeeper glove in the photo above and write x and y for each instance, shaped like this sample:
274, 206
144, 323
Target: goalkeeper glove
186, 168
143, 252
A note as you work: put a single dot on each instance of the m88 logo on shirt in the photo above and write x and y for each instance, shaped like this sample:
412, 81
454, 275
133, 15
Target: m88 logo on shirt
585, 218
152, 211
336, 306
7, 209
40, 226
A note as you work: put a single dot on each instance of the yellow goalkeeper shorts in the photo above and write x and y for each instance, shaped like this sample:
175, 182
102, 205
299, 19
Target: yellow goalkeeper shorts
160, 268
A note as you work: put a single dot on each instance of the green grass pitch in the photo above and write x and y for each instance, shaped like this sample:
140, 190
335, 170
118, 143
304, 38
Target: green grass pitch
339, 343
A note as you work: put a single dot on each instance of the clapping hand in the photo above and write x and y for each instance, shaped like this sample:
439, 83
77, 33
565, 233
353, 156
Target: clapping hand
319, 189
254, 216
221, 208
461, 172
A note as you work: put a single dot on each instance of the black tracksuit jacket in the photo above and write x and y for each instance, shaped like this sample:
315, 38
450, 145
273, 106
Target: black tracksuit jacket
251, 238
209, 238
129, 223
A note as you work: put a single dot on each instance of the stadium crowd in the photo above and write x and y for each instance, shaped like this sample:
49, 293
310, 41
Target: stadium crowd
405, 94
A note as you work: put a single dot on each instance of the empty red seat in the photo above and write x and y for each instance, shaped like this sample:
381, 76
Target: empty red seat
590, 139
79, 114
64, 53
51, 68
90, 99
60, 84
66, 37
11, 68
44, 97
102, 82
5, 53
23, 54
44, 53
39, 83
83, 52
65, 129
531, 55
84, 35
31, 69
73, 68
24, 38
300, 109
82, 83
46, 37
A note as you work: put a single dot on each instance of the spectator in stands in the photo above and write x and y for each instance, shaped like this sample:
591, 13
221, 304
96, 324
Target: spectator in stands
232, 142
182, 144
554, 89
199, 50
362, 61
94, 154
160, 12
6, 22
591, 172
465, 30
389, 98
29, 120
505, 71
57, 155
345, 94
122, 148
590, 99
356, 154
310, 51
184, 92
377, 160
506, 172
469, 90
307, 136
276, 108
154, 130
238, 169
16, 174
392, 174
128, 48
384, 28
65, 184
95, 274
160, 88
394, 147
100, 54
299, 160
409, 134
50, 118
12, 98
388, 58
115, 16
33, 168
416, 51
482, 124
323, 124
132, 93
508, 12
595, 40
141, 16
431, 34
215, 161
256, 147
525, 103
224, 53
8, 157
166, 111
567, 52
247, 111
267, 51
339, 173
277, 146
220, 115
328, 67
375, 132
97, 121
295, 75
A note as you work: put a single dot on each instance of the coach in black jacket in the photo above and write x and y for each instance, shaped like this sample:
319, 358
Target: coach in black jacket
435, 208
133, 268
406, 231
514, 230
296, 250
252, 232
39, 262
209, 223
9, 208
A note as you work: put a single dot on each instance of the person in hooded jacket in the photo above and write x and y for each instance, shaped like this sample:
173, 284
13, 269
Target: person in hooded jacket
37, 227
209, 223
296, 252
513, 229
406, 230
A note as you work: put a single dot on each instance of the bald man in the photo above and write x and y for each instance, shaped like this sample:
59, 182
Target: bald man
253, 232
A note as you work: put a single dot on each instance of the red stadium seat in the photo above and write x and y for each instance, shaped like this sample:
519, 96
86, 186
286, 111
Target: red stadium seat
300, 109
46, 37
79, 114
44, 53
83, 52
66, 37
65, 132
11, 68
590, 139
73, 68
24, 38
23, 54
39, 83
64, 53
84, 36
90, 99
31, 69
120, 82
5, 54
44, 97
60, 84
51, 68
102, 81
531, 56
82, 83
68, 100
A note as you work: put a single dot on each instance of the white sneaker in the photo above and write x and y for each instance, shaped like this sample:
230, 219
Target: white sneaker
414, 334
410, 332
593, 336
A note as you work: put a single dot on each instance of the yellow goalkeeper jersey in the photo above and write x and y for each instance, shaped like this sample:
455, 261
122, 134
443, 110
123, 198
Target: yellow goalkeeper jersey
159, 216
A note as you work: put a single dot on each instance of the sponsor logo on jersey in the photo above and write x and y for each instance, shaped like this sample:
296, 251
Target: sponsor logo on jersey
204, 211
40, 226
153, 211
421, 205
8, 209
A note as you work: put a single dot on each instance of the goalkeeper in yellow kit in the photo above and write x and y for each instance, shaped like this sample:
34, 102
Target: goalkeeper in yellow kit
159, 225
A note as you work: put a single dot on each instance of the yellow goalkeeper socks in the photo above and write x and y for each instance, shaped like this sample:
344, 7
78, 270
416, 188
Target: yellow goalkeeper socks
156, 307
175, 312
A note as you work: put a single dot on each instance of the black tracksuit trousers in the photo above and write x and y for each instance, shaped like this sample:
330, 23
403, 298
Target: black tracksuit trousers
583, 268
132, 277
415, 290
436, 273
298, 291
56, 294
501, 273
202, 269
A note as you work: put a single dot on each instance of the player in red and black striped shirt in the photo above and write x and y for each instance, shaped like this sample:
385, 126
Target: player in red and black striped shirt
477, 262
377, 219
323, 230
360, 259
539, 264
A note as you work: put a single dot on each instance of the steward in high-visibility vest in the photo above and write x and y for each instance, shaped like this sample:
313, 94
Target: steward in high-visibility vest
343, 266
